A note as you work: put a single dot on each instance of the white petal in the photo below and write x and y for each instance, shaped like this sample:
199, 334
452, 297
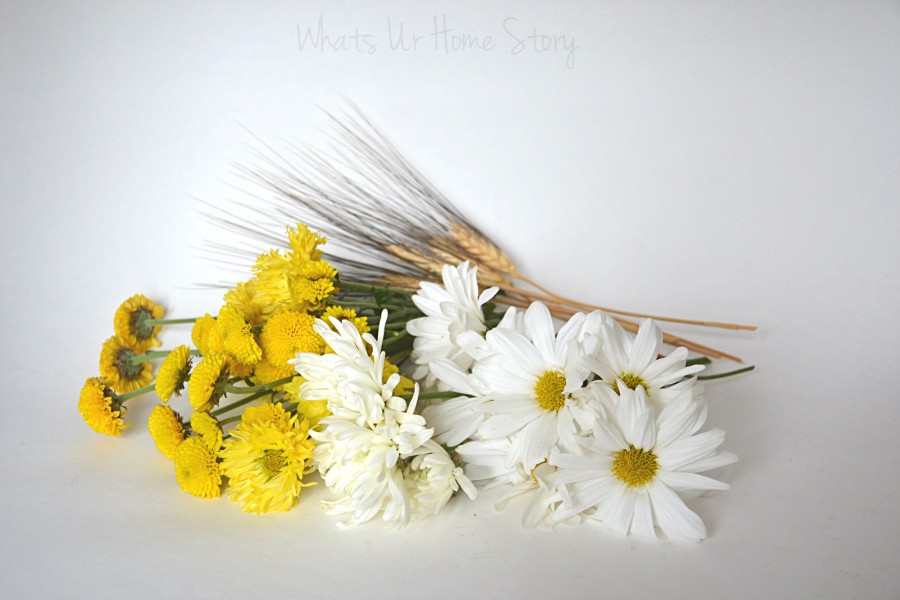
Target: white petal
645, 346
675, 519
540, 327
618, 508
642, 522
690, 481
679, 455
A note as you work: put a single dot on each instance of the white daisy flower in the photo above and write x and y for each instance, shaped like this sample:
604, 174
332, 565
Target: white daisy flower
486, 462
432, 477
456, 419
633, 361
532, 378
634, 463
543, 500
453, 312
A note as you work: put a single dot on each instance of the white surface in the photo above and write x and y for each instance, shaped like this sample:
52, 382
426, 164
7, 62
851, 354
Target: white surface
733, 161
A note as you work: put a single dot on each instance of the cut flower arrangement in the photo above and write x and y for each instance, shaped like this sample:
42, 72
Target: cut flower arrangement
387, 372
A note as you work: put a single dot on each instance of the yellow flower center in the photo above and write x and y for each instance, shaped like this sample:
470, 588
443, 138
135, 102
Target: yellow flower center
548, 391
631, 381
272, 462
635, 467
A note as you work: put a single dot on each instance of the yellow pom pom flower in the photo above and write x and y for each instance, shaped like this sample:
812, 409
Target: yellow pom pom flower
130, 322
197, 469
265, 372
207, 382
207, 427
166, 429
295, 280
265, 461
118, 368
243, 297
237, 336
205, 337
173, 373
100, 408
266, 413
286, 334
316, 282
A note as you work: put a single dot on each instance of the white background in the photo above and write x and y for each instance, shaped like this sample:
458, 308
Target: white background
731, 161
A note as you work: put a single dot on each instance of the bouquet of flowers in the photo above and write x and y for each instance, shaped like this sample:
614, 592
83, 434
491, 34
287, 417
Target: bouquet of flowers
387, 372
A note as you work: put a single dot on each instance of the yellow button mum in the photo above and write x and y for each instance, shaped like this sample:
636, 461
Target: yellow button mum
207, 427
130, 324
237, 336
197, 469
286, 334
205, 337
207, 382
100, 408
119, 370
173, 373
166, 429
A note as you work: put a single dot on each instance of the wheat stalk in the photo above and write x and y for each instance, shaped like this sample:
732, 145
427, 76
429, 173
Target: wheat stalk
387, 224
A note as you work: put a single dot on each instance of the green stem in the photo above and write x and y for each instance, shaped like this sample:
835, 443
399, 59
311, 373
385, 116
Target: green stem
728, 374
233, 389
152, 354
233, 419
239, 403
154, 322
391, 339
123, 398
361, 305
399, 357
700, 360
367, 288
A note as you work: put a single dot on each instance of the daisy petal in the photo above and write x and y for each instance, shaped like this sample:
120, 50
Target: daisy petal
676, 520
642, 522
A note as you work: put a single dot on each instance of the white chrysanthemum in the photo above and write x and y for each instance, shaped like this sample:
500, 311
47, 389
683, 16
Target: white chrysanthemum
350, 379
432, 477
452, 314
373, 452
531, 377
361, 465
635, 461
633, 361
